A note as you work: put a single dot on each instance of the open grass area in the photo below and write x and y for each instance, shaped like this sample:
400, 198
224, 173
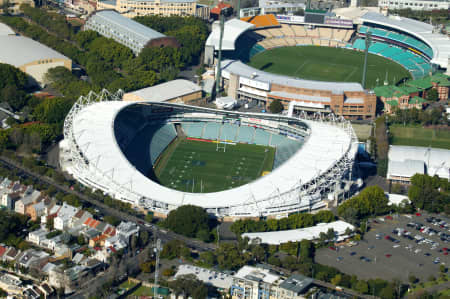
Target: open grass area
418, 136
363, 132
196, 166
127, 285
328, 64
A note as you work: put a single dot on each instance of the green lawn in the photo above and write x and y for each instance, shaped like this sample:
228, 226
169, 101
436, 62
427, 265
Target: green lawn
418, 136
328, 64
196, 166
127, 285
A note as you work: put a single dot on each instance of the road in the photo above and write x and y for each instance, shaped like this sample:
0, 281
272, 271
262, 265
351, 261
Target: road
165, 236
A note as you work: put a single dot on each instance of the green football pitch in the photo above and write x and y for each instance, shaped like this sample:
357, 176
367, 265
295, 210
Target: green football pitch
328, 64
196, 166
418, 136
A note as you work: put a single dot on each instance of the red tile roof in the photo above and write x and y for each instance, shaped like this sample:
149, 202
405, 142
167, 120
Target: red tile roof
2, 250
216, 10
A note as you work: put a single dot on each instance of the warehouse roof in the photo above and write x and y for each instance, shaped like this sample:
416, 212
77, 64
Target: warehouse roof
296, 235
409, 160
257, 274
297, 283
133, 27
244, 70
6, 30
20, 50
217, 279
167, 91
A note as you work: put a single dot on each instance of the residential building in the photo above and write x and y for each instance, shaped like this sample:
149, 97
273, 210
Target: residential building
223, 8
29, 198
219, 280
68, 279
127, 32
37, 210
11, 284
14, 5
65, 214
414, 4
31, 256
79, 218
254, 283
37, 236
295, 287
11, 254
126, 230
134, 8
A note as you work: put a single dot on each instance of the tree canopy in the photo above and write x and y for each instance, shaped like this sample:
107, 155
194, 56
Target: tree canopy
430, 193
370, 202
188, 220
276, 106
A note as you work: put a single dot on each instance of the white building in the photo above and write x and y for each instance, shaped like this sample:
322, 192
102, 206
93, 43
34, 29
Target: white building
65, 214
37, 236
126, 230
414, 4
254, 283
296, 235
406, 161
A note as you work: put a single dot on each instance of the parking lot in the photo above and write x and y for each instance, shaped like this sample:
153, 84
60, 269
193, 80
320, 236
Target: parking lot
415, 249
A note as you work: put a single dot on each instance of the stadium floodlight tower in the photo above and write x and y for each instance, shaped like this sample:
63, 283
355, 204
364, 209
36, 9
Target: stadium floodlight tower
366, 54
219, 57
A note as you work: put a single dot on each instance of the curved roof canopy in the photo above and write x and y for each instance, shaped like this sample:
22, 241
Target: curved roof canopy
20, 50
232, 30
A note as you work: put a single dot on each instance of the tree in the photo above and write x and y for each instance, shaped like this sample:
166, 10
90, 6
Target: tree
388, 292
187, 220
362, 287
276, 106
49, 223
143, 238
337, 279
208, 258
432, 95
114, 221
147, 267
412, 279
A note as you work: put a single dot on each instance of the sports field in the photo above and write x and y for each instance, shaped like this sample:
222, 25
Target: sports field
418, 136
196, 166
328, 64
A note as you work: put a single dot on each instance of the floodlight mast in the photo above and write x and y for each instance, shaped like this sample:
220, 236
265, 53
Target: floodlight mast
366, 54
219, 57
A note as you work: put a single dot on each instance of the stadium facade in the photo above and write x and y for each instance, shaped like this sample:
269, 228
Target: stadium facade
417, 47
129, 33
99, 127
134, 8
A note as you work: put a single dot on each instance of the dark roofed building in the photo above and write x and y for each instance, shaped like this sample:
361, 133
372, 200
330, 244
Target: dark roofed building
295, 286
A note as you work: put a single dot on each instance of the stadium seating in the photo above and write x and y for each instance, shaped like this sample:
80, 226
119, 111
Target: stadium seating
245, 134
194, 130
228, 132
262, 21
285, 150
398, 37
211, 131
287, 31
299, 30
162, 137
262, 137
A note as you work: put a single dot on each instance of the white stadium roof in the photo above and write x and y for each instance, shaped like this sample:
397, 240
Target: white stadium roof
20, 50
6, 30
406, 161
232, 30
244, 70
93, 132
438, 42
296, 235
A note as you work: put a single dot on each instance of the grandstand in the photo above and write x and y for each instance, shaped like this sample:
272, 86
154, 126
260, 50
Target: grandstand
91, 153
416, 64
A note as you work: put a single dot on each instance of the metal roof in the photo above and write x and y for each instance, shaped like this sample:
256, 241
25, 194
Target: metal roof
409, 160
167, 91
244, 70
20, 50
439, 43
232, 30
296, 235
94, 133
132, 27
297, 283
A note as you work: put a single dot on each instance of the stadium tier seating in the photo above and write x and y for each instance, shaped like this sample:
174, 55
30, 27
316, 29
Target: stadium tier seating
211, 131
194, 130
287, 31
262, 137
417, 65
245, 134
285, 149
228, 132
398, 37
299, 30
162, 137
